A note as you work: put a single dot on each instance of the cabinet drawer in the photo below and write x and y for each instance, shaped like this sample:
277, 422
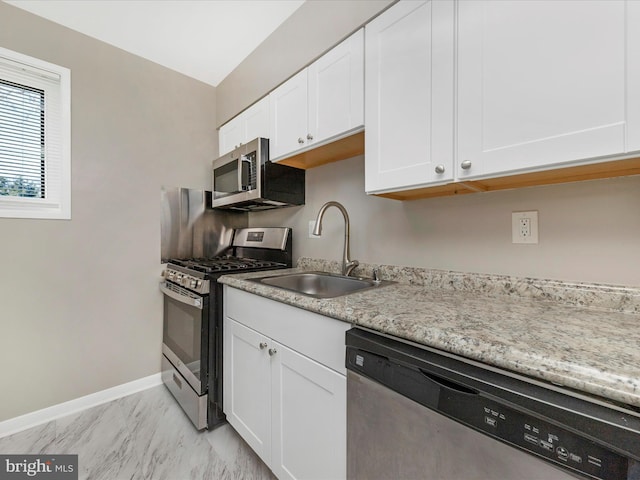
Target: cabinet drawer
316, 336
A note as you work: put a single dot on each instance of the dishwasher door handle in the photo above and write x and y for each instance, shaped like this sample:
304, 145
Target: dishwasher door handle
448, 384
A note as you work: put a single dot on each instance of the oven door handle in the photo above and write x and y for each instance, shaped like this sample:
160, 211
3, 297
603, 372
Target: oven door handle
193, 302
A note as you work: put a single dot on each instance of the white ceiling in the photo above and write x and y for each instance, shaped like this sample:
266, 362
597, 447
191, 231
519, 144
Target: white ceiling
204, 39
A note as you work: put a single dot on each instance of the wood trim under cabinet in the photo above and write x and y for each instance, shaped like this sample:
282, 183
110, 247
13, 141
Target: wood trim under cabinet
341, 149
594, 171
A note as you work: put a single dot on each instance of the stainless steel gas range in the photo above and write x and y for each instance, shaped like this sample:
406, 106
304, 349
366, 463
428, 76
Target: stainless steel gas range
192, 332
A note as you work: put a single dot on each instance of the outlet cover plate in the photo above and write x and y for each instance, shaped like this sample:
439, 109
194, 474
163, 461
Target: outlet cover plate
524, 227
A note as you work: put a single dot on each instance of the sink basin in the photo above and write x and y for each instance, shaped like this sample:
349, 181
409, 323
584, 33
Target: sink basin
320, 284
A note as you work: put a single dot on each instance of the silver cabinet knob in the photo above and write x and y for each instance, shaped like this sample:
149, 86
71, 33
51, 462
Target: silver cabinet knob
440, 168
466, 165
309, 136
300, 140
263, 345
272, 351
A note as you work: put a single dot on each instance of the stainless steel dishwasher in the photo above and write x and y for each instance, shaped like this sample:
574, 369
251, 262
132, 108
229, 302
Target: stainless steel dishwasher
417, 413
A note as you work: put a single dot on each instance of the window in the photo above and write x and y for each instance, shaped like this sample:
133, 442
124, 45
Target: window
35, 138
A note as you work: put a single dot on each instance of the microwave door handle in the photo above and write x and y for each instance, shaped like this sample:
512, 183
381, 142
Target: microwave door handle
245, 186
240, 160
193, 302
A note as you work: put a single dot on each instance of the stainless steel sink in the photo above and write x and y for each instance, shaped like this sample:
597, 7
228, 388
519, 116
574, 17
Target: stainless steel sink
321, 284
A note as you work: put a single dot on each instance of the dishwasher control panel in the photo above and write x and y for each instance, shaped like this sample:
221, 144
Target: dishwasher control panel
538, 437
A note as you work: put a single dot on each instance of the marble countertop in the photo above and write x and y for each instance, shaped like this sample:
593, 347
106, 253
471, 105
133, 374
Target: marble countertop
582, 336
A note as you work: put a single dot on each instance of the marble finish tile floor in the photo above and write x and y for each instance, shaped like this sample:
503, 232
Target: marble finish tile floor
144, 436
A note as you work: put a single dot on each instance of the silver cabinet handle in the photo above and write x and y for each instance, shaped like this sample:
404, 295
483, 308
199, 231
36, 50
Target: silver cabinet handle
309, 136
272, 352
263, 345
466, 165
440, 168
300, 140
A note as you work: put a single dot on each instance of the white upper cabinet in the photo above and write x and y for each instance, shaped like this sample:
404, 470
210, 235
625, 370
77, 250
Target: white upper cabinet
255, 121
409, 93
336, 90
633, 78
322, 102
288, 116
250, 124
543, 84
229, 135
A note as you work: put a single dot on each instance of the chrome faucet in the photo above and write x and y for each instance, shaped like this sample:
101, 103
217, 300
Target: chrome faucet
347, 264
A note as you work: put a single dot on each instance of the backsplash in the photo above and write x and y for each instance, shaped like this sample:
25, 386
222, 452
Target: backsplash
605, 297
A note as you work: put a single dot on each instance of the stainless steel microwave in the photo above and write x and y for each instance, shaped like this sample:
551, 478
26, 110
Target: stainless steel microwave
245, 179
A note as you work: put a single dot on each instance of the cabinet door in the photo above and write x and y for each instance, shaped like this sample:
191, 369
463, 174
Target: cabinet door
633, 79
255, 121
288, 116
309, 418
229, 136
247, 386
336, 90
540, 83
409, 83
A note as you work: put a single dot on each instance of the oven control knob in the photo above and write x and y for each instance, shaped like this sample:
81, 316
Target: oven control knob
193, 284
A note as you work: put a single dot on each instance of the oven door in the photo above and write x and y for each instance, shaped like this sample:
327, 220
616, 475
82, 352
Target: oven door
185, 334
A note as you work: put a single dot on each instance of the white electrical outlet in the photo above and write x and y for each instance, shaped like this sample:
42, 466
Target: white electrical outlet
312, 225
524, 227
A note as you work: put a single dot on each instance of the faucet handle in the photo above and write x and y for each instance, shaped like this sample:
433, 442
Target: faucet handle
376, 278
348, 267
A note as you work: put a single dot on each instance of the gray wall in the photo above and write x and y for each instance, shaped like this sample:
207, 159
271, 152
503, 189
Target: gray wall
589, 231
80, 309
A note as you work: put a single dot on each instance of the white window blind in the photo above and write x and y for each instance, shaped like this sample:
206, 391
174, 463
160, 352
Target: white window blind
34, 138
22, 143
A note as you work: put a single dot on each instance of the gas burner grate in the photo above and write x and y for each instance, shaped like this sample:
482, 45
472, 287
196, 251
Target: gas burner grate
226, 263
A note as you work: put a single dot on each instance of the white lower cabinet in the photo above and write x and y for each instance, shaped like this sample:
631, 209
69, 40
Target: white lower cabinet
284, 389
247, 386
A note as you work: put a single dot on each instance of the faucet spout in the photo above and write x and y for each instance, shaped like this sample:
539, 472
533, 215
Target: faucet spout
347, 264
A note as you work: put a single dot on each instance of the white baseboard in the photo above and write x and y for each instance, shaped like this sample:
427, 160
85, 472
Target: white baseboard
17, 424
